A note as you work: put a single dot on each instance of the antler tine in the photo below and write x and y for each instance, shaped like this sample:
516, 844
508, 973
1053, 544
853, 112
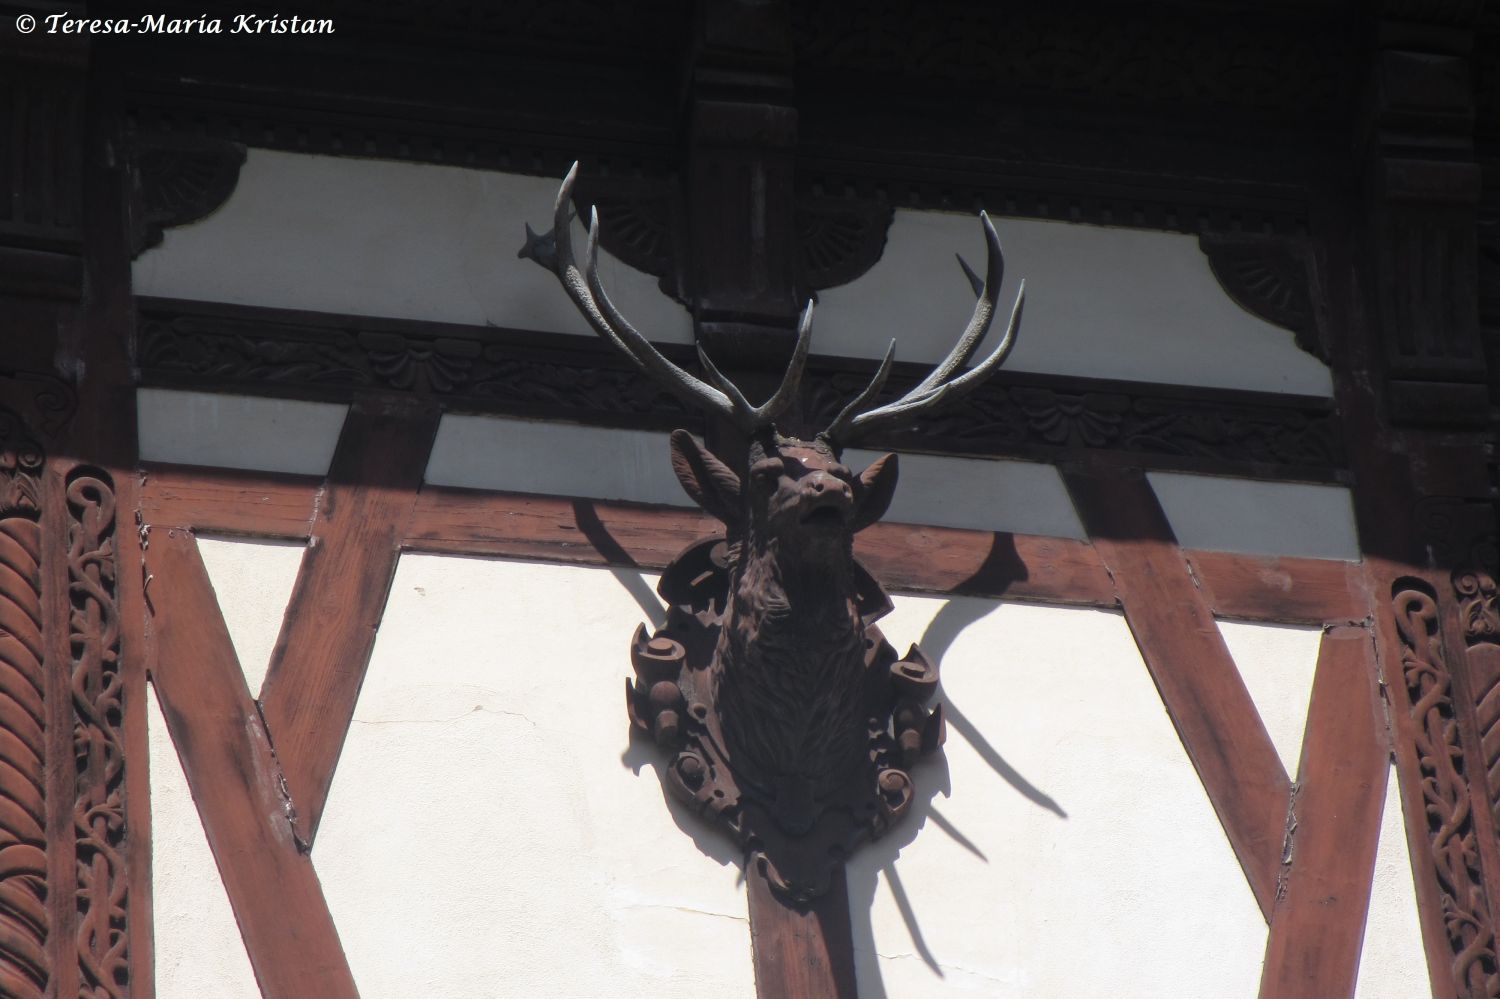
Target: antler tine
984, 312
752, 418
587, 292
940, 385
841, 423
914, 403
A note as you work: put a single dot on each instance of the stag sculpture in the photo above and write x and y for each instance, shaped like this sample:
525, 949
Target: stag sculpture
792, 720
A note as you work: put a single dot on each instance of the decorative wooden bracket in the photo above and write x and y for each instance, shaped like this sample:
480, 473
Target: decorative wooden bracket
178, 179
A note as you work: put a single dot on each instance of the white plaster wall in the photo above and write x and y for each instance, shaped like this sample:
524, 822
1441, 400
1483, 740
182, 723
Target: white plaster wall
199, 951
1258, 518
484, 452
1101, 302
379, 238
494, 778
1277, 663
529, 456
253, 581
1392, 963
524, 842
1067, 848
416, 241
1019, 496
237, 431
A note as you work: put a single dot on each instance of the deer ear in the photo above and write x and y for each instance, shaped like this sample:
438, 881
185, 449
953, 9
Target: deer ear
705, 478
877, 485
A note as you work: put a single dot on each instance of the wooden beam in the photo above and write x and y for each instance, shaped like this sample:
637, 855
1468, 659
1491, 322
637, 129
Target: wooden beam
328, 633
1319, 923
232, 772
905, 557
1283, 589
229, 501
801, 952
1203, 692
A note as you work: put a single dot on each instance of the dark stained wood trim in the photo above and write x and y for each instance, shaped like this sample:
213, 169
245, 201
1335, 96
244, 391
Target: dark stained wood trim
901, 556
233, 774
227, 501
904, 557
319, 661
801, 952
210, 346
1282, 589
1199, 684
1329, 863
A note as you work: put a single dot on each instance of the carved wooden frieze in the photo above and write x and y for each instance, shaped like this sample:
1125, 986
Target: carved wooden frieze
550, 375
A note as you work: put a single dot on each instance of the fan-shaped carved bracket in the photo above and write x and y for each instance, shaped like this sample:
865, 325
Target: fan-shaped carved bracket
178, 179
1269, 277
838, 239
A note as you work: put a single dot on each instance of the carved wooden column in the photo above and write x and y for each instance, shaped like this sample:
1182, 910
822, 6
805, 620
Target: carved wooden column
1411, 382
71, 891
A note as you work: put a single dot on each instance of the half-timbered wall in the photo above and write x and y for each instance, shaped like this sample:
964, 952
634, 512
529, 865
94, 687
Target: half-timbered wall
1068, 816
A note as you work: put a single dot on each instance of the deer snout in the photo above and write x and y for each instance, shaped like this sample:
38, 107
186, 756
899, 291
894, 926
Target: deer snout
827, 495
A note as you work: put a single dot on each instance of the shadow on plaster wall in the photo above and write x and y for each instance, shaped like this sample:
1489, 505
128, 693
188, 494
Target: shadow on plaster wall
930, 777
622, 566
877, 861
711, 840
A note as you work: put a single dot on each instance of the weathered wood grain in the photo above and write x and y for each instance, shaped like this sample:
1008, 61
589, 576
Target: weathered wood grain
1319, 922
321, 655
234, 777
1200, 686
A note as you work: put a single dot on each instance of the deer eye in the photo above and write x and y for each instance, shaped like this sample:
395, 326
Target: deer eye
840, 472
768, 469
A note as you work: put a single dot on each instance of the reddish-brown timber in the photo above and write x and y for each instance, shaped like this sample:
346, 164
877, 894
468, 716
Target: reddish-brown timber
801, 951
1282, 589
1313, 948
228, 501
1200, 686
232, 771
326, 639
904, 557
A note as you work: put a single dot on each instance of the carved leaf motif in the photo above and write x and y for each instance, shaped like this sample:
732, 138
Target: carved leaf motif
99, 810
1440, 757
517, 371
24, 962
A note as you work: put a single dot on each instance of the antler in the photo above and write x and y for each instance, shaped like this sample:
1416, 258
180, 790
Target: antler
587, 292
940, 386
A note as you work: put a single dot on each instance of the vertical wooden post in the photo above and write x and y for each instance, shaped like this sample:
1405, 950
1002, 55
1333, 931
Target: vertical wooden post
801, 952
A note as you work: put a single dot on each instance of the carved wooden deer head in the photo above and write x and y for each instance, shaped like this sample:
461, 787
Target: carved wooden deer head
792, 719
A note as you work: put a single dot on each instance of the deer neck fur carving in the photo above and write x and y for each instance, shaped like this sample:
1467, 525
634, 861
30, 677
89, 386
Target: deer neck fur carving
792, 719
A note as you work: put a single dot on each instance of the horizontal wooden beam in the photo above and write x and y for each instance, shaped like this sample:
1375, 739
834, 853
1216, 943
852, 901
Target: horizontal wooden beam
230, 501
1282, 589
904, 557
